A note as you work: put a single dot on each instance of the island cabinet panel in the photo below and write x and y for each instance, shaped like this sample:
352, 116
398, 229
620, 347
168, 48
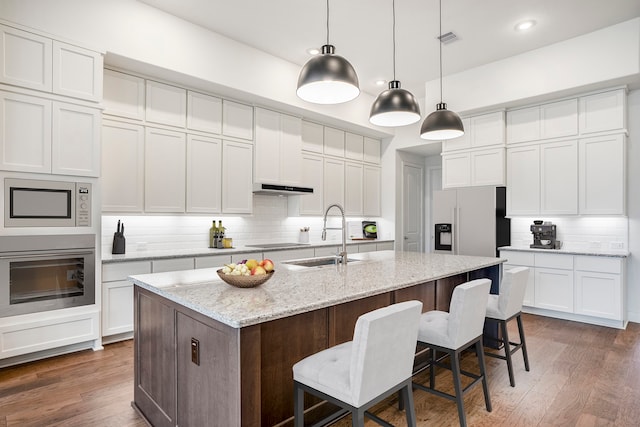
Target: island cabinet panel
155, 359
444, 290
343, 317
425, 292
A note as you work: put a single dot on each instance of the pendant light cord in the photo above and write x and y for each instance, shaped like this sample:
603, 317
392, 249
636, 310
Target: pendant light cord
327, 21
440, 42
394, 38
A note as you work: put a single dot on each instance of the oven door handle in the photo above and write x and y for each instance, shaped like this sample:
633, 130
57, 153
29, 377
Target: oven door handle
39, 255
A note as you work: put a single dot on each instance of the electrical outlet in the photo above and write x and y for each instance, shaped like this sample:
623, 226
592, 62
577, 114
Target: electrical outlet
594, 245
616, 245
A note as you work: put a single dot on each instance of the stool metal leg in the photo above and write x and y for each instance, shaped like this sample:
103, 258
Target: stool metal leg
507, 351
410, 410
523, 343
457, 385
298, 405
483, 373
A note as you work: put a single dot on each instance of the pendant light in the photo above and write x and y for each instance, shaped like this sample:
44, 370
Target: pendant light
441, 124
328, 78
395, 106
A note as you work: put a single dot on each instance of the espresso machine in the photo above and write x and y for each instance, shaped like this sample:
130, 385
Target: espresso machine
544, 235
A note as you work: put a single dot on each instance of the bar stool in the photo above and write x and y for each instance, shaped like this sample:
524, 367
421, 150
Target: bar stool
358, 374
453, 332
503, 308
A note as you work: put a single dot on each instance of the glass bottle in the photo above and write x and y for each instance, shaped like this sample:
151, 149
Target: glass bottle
220, 235
213, 234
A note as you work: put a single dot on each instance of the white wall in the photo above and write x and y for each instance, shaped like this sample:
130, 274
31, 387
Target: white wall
633, 205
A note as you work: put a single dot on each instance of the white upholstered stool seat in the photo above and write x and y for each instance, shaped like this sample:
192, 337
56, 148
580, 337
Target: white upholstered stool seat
505, 306
358, 374
453, 332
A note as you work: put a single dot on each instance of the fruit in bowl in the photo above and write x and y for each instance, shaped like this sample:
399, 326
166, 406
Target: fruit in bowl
241, 276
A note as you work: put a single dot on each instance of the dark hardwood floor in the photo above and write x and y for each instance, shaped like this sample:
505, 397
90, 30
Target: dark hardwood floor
581, 375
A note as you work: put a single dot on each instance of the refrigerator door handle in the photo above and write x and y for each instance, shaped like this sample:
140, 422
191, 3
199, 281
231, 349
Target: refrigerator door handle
456, 234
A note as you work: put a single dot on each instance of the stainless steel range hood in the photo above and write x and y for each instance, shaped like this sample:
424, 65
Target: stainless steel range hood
281, 190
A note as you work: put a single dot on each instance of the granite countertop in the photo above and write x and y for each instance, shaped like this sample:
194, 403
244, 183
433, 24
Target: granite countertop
145, 255
294, 290
591, 252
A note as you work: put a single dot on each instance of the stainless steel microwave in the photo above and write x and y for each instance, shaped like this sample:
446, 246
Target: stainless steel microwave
40, 203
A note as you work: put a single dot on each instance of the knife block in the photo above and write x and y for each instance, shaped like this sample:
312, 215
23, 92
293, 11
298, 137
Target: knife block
118, 244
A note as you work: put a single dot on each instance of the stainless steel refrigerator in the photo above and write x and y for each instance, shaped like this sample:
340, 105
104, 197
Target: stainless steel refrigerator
471, 221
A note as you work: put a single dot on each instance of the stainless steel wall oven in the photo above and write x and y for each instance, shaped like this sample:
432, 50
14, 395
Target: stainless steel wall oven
46, 272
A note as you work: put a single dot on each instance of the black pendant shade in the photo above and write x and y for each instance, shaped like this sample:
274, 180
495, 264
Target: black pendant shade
394, 107
441, 124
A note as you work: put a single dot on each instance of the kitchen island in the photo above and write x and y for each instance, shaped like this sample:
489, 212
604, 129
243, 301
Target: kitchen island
211, 354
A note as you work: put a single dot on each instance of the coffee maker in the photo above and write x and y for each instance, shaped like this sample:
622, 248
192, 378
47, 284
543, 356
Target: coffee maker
544, 235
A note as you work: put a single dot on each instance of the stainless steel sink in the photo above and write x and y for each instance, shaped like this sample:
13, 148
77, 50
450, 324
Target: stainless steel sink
316, 262
276, 245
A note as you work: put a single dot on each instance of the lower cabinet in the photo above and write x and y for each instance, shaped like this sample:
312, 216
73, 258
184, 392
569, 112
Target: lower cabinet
599, 287
554, 289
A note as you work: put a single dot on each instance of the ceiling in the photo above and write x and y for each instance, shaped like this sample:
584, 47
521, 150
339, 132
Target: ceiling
362, 31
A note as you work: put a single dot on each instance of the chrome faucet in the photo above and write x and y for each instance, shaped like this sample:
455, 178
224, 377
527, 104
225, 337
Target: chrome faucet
343, 254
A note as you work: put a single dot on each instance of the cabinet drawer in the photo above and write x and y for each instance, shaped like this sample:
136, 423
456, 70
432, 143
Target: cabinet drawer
554, 261
277, 256
121, 270
212, 261
599, 264
518, 258
175, 264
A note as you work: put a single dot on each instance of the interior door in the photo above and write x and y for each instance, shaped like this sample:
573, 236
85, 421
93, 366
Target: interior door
412, 207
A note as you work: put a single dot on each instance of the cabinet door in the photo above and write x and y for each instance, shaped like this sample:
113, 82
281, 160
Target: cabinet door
25, 59
237, 181
164, 171
237, 120
462, 142
290, 150
166, 104
77, 72
554, 289
523, 125
602, 180
266, 161
312, 137
599, 295
173, 264
353, 188
123, 95
333, 182
371, 191
559, 178
312, 176
487, 129
204, 112
523, 180
75, 146
371, 150
122, 167
602, 112
204, 174
25, 148
559, 119
215, 261
456, 170
117, 307
353, 146
333, 142
487, 167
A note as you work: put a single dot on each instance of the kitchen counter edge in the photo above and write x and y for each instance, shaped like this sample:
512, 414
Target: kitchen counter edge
587, 252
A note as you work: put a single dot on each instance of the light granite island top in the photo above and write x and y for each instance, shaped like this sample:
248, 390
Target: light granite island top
295, 289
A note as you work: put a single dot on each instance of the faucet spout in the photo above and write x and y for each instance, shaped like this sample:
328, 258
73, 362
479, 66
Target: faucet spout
343, 253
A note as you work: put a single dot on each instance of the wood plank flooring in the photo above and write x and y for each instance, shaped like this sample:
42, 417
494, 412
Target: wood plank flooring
581, 375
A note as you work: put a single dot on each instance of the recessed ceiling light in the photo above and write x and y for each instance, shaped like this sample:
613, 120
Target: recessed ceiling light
381, 82
313, 51
525, 25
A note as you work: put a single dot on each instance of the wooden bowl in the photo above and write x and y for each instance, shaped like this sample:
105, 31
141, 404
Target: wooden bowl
245, 281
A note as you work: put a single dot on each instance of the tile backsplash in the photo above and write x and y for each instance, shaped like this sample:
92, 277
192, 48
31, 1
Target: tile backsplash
578, 233
269, 223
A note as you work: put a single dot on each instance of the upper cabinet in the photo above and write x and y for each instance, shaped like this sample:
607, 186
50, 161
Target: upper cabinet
312, 137
353, 146
123, 95
371, 150
333, 142
204, 112
32, 61
479, 131
166, 104
602, 112
237, 120
553, 120
278, 148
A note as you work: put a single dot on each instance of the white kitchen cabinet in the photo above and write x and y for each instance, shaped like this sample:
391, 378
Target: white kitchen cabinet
25, 59
456, 170
553, 282
353, 146
602, 167
312, 137
237, 181
371, 150
559, 178
333, 182
165, 104
123, 95
604, 111
487, 167
117, 297
487, 129
523, 125
312, 176
249, 255
75, 144
213, 261
552, 120
353, 200
164, 170
278, 148
204, 174
77, 72
204, 112
237, 120
25, 148
462, 142
599, 290
173, 264
384, 246
333, 142
371, 191
122, 167
523, 180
